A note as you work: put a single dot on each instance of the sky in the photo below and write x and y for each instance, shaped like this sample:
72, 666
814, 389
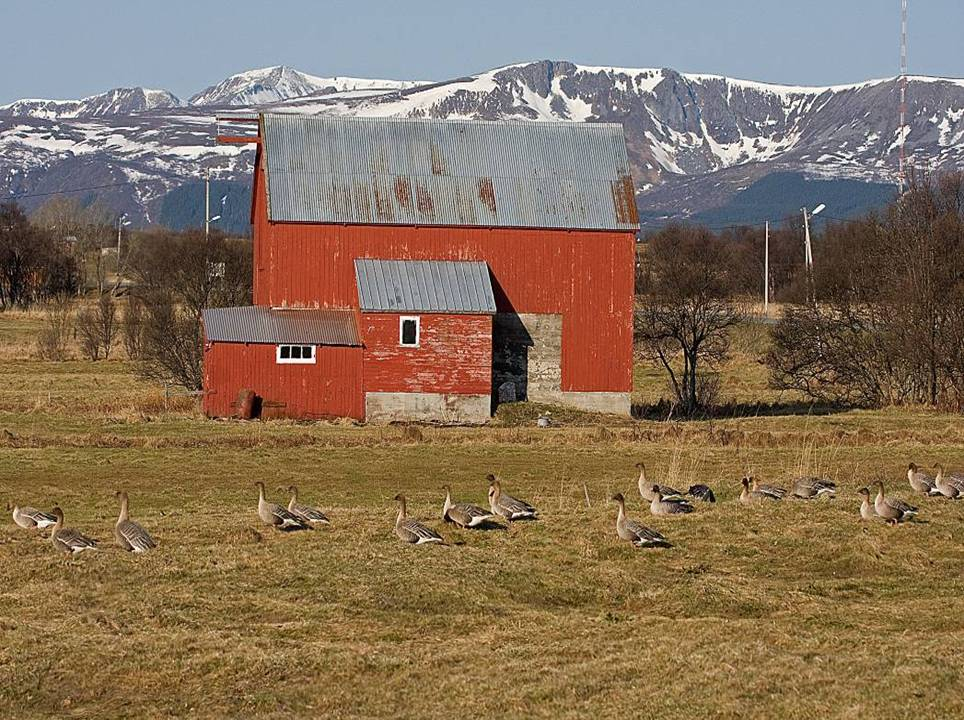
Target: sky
70, 49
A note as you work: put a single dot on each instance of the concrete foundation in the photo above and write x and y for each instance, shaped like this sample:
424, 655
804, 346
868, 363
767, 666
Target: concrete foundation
385, 407
601, 402
527, 351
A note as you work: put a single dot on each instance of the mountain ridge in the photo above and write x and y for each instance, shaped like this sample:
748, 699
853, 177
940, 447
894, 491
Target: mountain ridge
695, 140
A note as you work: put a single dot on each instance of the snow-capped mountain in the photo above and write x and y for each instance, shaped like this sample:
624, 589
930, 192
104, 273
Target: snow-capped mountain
695, 141
119, 101
277, 84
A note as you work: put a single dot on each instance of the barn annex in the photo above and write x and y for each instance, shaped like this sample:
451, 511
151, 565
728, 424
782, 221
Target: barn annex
409, 269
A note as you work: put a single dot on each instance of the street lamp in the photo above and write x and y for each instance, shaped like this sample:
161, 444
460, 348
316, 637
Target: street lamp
808, 249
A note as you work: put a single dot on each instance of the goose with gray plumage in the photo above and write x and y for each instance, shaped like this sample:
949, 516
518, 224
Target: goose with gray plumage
807, 488
633, 531
509, 507
69, 540
309, 514
950, 486
660, 505
409, 530
774, 491
893, 510
751, 496
646, 486
920, 481
465, 515
30, 518
867, 511
128, 534
276, 515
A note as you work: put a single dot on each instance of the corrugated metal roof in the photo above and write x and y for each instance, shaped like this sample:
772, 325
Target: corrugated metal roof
266, 325
429, 286
327, 169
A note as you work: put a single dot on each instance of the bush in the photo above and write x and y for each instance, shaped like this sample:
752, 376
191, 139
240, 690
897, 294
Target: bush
97, 327
132, 328
55, 333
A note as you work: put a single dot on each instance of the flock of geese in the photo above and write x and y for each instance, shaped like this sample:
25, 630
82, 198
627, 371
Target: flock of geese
662, 500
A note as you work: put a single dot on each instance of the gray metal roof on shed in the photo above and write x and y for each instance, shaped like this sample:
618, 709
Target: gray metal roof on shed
427, 286
327, 169
273, 326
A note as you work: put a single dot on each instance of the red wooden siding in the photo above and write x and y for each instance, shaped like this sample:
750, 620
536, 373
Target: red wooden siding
586, 276
332, 387
454, 355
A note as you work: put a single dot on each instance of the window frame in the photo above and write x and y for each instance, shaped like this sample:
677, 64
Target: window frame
295, 361
417, 319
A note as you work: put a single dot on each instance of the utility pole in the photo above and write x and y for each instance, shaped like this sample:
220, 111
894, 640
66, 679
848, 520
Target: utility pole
766, 271
207, 204
120, 225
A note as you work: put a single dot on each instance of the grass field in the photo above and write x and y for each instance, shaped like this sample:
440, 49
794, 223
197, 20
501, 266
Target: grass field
792, 610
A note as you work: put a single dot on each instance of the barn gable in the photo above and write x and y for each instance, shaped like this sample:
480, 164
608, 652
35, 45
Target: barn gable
377, 171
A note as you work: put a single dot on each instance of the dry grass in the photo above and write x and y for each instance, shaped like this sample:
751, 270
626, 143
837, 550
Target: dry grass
792, 610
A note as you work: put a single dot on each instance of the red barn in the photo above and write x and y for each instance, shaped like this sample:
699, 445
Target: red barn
423, 268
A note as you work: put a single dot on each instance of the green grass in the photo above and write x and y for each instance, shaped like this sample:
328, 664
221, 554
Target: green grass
793, 610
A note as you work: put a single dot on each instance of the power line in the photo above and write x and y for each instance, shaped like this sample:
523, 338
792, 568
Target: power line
17, 196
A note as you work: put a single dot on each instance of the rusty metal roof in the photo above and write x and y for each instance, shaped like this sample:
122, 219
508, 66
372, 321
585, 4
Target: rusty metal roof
426, 286
273, 326
327, 169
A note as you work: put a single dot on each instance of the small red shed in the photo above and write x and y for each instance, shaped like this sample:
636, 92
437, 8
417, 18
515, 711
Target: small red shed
340, 205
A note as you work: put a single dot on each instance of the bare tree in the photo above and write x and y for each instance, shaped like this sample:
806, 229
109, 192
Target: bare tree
684, 309
97, 327
55, 334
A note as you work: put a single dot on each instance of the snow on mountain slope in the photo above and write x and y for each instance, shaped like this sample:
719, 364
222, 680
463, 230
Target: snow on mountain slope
694, 140
280, 83
112, 102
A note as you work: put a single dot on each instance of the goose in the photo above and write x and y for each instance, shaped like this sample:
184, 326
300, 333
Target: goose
774, 491
68, 540
748, 496
950, 486
129, 535
701, 492
30, 518
867, 511
646, 487
806, 488
893, 510
307, 513
660, 505
507, 506
637, 533
276, 515
412, 531
920, 481
465, 515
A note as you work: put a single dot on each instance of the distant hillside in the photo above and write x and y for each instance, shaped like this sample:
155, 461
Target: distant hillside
183, 207
781, 194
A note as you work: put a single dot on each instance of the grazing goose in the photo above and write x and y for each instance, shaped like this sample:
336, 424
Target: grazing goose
920, 481
637, 533
893, 510
68, 540
129, 535
646, 487
311, 515
507, 506
867, 511
774, 491
806, 488
465, 515
412, 531
660, 505
701, 492
756, 495
30, 518
276, 515
950, 486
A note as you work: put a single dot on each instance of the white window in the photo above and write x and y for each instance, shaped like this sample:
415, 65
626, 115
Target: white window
295, 354
409, 331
